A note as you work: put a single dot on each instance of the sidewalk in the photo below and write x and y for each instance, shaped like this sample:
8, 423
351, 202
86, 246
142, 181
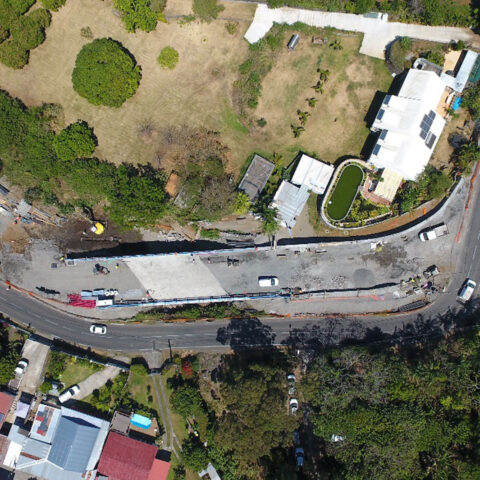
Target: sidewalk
377, 33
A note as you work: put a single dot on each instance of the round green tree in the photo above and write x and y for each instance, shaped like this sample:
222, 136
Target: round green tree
105, 73
75, 141
168, 58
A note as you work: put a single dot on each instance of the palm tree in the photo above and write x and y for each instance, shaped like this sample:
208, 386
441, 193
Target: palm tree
270, 223
302, 116
336, 44
277, 159
318, 87
312, 101
297, 130
324, 74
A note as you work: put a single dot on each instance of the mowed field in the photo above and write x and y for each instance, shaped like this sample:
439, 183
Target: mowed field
198, 91
336, 126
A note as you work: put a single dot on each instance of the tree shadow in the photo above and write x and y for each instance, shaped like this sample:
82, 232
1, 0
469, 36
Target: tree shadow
245, 333
411, 339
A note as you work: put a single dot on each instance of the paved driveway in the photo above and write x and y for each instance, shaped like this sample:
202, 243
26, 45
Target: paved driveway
36, 354
377, 33
96, 381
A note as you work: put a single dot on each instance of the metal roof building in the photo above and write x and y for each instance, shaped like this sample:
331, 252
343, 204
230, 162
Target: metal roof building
409, 125
315, 175
461, 75
61, 444
290, 200
124, 458
256, 177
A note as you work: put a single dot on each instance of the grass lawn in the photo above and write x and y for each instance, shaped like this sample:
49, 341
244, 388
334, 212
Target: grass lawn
75, 372
198, 91
345, 192
141, 388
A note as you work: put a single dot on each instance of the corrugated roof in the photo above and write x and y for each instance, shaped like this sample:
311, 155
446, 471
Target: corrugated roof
73, 443
124, 458
256, 176
6, 401
289, 201
312, 173
460, 79
159, 470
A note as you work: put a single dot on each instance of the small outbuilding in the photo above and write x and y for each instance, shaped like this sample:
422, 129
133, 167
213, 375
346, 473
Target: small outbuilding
256, 177
290, 200
315, 175
293, 42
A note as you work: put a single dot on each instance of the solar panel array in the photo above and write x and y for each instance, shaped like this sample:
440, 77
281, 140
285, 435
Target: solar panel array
425, 126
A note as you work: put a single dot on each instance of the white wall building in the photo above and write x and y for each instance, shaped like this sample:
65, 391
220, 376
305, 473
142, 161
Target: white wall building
409, 125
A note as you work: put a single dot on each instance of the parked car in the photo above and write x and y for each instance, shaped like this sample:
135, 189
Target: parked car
466, 291
21, 367
433, 233
97, 328
291, 384
299, 453
293, 406
267, 281
69, 393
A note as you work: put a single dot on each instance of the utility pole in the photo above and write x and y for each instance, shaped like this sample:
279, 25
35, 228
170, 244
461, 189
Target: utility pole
170, 348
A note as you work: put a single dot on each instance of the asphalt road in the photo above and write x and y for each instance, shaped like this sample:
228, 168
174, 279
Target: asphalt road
221, 334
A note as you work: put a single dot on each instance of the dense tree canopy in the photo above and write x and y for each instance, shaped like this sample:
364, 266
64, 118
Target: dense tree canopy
77, 140
105, 73
137, 14
399, 417
20, 32
53, 4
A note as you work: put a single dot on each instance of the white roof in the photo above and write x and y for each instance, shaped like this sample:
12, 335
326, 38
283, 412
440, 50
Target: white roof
289, 200
313, 174
459, 81
409, 125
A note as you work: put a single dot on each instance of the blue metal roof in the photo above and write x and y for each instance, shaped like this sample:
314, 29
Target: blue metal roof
73, 444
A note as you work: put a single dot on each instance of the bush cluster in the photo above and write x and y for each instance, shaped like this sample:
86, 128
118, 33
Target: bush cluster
19, 32
207, 10
138, 14
168, 58
75, 141
105, 73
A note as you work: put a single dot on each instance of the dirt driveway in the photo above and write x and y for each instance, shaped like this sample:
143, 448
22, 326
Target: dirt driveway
36, 353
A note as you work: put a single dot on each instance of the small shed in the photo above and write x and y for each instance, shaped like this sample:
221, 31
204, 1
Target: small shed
292, 44
290, 200
256, 177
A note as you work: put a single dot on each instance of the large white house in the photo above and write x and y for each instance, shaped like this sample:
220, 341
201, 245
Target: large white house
410, 124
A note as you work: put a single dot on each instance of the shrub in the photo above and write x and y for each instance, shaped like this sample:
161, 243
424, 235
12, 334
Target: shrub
42, 16
86, 32
13, 55
137, 14
139, 369
105, 73
406, 43
460, 45
207, 10
53, 4
20, 6
242, 203
168, 58
75, 141
211, 233
231, 27
436, 56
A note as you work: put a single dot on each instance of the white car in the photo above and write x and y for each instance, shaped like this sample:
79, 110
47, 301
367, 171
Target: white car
21, 367
467, 291
293, 406
291, 384
68, 394
99, 329
267, 281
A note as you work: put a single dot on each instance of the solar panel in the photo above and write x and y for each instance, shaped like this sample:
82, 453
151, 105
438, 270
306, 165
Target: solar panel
380, 114
376, 149
431, 140
383, 134
432, 115
423, 134
427, 120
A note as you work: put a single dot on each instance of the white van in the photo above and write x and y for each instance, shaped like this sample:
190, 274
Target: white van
267, 281
467, 291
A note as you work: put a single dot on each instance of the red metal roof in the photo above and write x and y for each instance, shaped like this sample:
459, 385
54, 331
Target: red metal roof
124, 458
159, 470
6, 401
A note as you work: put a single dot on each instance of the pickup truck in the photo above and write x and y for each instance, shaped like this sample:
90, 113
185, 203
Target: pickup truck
433, 232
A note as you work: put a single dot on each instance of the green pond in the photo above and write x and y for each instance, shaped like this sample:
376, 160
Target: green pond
345, 192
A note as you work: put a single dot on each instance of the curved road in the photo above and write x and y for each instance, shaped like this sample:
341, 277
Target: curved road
203, 335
